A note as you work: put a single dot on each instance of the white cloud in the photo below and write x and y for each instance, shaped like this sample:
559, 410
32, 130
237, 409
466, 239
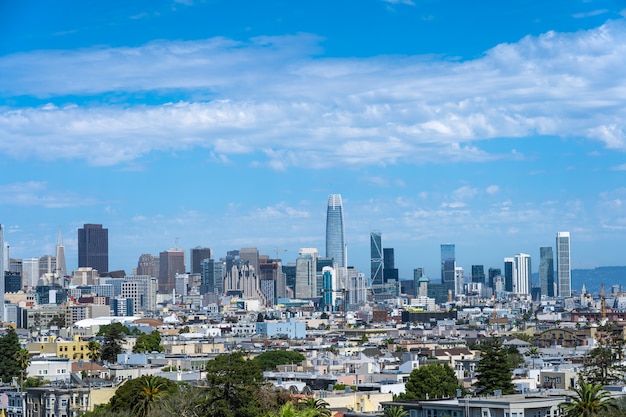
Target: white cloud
34, 193
492, 189
268, 99
621, 167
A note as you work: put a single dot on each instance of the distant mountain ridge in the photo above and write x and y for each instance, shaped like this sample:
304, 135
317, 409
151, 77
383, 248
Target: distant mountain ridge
594, 278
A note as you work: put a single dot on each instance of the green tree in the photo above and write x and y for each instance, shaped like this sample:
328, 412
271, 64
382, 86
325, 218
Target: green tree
534, 353
148, 342
136, 396
288, 410
603, 364
317, 407
269, 360
431, 381
34, 382
395, 411
494, 369
152, 389
233, 382
22, 357
588, 400
9, 346
114, 335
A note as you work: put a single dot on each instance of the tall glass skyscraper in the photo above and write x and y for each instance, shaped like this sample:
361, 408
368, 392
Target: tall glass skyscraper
546, 271
448, 266
335, 237
376, 258
93, 247
563, 271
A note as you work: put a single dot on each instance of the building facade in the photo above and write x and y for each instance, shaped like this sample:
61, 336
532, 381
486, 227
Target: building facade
335, 236
93, 247
546, 271
171, 262
563, 271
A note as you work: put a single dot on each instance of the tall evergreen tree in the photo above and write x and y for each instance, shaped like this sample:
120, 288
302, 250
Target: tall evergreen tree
9, 347
495, 371
114, 335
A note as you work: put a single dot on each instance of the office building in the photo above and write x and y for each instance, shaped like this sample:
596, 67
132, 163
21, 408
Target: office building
335, 236
148, 265
417, 274
306, 274
563, 271
546, 271
171, 262
211, 276
522, 276
61, 267
478, 274
196, 256
376, 260
390, 272
448, 266
509, 274
493, 273
459, 280
93, 247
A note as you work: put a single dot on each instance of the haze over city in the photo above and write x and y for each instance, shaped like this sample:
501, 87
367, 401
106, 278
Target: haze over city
228, 124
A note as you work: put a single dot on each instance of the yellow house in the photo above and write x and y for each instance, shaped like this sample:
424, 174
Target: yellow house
75, 349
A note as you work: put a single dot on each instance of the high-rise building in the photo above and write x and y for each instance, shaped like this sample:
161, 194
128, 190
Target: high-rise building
148, 265
417, 274
212, 276
448, 266
2, 269
196, 256
376, 259
509, 274
60, 255
546, 271
171, 262
335, 236
478, 273
563, 271
390, 272
306, 274
522, 276
493, 273
93, 247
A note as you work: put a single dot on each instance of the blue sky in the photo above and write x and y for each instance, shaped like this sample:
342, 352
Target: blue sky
492, 125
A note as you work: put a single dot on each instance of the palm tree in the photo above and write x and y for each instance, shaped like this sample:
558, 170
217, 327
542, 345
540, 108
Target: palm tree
318, 405
395, 411
533, 352
152, 388
22, 357
94, 350
588, 400
288, 410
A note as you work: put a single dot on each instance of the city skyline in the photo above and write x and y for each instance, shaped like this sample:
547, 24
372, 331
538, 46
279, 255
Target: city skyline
431, 131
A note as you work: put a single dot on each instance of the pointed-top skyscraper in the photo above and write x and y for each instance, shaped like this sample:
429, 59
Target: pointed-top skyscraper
335, 237
60, 255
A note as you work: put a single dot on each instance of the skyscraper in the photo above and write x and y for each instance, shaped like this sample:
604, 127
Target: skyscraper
376, 259
522, 275
60, 255
478, 273
2, 269
563, 271
171, 262
335, 237
196, 256
390, 272
93, 247
509, 274
546, 271
448, 266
